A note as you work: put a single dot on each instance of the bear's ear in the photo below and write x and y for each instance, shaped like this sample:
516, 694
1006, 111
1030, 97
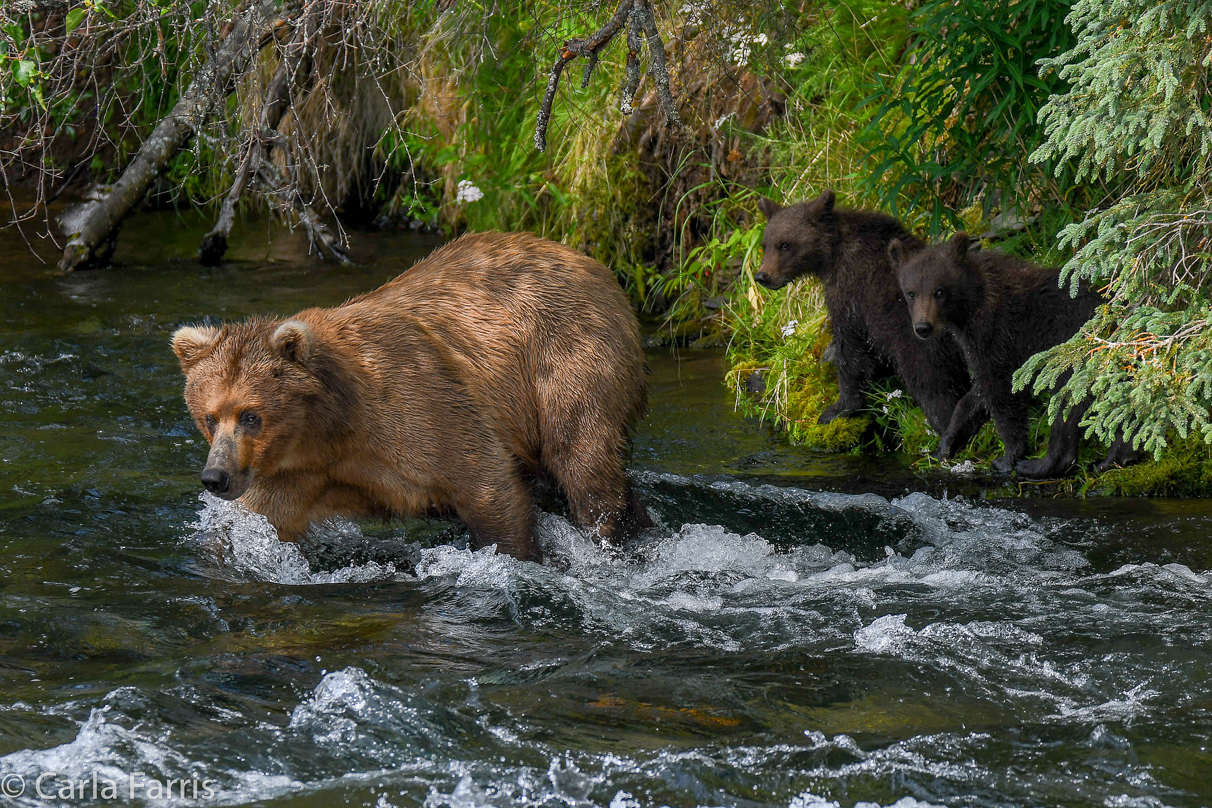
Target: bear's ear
822, 204
896, 252
294, 341
193, 343
960, 243
768, 207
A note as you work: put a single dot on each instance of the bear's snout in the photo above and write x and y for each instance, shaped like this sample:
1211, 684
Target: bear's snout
223, 474
217, 481
763, 277
923, 329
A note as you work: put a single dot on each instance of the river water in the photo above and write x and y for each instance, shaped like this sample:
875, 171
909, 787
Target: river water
798, 632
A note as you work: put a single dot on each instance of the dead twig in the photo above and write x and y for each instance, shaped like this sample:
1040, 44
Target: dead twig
293, 69
638, 17
91, 226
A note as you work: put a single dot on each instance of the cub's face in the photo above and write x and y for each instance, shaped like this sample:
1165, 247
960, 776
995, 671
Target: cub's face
933, 282
247, 387
798, 240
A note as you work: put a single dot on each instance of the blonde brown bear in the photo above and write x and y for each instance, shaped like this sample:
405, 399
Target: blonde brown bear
498, 359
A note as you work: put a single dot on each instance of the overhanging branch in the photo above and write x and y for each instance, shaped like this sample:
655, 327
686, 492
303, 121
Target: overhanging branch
638, 17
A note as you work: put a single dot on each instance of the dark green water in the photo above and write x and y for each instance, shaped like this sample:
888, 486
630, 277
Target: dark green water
801, 631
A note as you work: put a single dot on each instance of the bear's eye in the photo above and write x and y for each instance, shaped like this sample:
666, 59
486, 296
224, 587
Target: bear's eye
784, 245
909, 295
940, 294
250, 421
211, 423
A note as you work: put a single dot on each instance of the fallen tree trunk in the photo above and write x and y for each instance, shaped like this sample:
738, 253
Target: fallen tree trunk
91, 226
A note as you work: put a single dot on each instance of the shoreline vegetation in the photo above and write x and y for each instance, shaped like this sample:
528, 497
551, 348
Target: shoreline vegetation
1075, 133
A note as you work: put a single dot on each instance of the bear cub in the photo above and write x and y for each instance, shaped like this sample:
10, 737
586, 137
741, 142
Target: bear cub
499, 360
872, 335
1002, 310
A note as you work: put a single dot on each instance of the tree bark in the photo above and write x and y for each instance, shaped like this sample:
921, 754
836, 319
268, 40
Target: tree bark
93, 223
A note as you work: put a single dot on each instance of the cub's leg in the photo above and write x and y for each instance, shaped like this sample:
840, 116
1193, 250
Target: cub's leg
1010, 418
967, 416
1062, 447
856, 368
1119, 455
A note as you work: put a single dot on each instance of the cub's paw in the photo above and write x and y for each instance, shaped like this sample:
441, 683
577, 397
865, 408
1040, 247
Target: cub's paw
1043, 468
1120, 456
831, 412
1003, 465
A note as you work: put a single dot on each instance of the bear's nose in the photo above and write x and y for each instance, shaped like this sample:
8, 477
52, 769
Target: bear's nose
923, 329
764, 279
217, 481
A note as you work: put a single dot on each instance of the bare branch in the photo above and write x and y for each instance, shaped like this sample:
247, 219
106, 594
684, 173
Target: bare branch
293, 69
93, 223
638, 17
658, 66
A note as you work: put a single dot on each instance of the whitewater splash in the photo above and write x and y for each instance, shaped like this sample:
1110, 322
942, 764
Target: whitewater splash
927, 660
245, 544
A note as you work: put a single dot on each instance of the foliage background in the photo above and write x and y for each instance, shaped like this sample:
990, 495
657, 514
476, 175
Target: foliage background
1074, 133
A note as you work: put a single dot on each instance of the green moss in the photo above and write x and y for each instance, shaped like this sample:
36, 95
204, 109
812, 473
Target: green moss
1185, 470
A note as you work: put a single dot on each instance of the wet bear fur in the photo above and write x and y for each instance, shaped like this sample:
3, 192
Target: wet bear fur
872, 334
1002, 310
498, 360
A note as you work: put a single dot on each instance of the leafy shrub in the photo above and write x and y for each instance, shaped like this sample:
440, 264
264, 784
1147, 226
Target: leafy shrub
953, 123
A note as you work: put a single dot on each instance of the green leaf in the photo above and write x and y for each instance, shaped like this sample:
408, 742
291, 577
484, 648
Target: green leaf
24, 73
74, 18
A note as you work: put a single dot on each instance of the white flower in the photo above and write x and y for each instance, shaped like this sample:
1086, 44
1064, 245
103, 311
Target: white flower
696, 13
894, 394
789, 329
742, 45
793, 59
721, 120
468, 192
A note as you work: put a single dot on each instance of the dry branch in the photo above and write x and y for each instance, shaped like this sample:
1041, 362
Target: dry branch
641, 25
92, 224
293, 68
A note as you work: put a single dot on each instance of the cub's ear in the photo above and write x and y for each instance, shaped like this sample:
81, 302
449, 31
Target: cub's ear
960, 243
294, 341
896, 252
768, 207
193, 343
823, 203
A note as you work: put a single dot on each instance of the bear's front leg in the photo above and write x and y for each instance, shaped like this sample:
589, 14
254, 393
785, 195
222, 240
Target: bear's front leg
287, 501
1010, 418
966, 418
855, 370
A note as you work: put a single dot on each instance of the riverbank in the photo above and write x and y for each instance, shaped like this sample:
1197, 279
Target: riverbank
931, 114
799, 627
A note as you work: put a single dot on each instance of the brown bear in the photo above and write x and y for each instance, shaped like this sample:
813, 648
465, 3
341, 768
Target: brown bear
872, 335
499, 359
1002, 310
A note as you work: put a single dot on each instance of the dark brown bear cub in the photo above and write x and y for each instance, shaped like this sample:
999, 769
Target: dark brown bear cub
1002, 310
498, 358
872, 335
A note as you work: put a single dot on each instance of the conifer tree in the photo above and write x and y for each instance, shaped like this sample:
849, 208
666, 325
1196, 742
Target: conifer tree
1136, 121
